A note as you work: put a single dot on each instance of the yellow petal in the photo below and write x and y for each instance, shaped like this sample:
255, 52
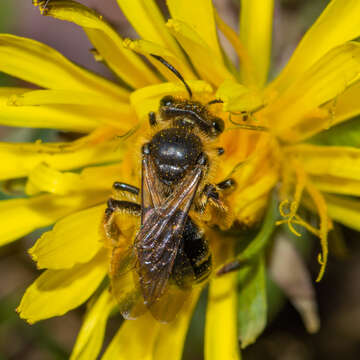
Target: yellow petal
221, 338
41, 65
156, 344
339, 161
325, 80
55, 292
79, 111
148, 98
43, 178
337, 24
346, 105
125, 345
22, 216
19, 159
238, 98
147, 48
246, 64
147, 20
91, 336
123, 62
74, 239
65, 117
336, 185
251, 193
256, 35
199, 16
46, 97
172, 335
344, 210
200, 52
342, 108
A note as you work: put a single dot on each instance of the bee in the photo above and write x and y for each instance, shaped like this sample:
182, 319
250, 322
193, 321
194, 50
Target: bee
169, 253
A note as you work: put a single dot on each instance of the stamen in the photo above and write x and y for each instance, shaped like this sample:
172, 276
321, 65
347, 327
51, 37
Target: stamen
324, 226
42, 4
288, 211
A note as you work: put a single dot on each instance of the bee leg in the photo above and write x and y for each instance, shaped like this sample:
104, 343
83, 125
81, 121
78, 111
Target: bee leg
115, 207
121, 190
210, 194
229, 267
226, 184
152, 119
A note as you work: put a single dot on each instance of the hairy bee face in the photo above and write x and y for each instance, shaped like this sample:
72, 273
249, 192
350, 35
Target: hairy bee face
192, 114
176, 149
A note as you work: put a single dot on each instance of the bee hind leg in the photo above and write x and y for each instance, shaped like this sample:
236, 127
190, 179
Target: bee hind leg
117, 207
122, 256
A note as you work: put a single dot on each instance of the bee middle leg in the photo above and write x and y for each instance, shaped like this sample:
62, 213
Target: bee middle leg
123, 190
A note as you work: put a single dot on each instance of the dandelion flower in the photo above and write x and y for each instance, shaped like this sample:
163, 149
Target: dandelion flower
277, 149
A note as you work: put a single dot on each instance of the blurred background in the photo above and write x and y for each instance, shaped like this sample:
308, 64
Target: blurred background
285, 337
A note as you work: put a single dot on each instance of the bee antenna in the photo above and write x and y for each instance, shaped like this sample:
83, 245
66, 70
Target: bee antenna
171, 68
45, 6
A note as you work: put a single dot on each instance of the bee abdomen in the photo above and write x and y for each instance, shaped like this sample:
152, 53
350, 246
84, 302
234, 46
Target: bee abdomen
194, 252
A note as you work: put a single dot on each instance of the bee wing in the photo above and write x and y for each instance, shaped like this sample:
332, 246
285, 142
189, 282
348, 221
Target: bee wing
168, 306
177, 290
131, 302
128, 295
125, 287
122, 261
159, 238
150, 188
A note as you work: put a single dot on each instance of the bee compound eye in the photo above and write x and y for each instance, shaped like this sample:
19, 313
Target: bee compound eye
167, 101
218, 125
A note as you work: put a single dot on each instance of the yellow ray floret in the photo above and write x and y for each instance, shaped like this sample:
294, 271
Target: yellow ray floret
220, 315
337, 24
127, 65
257, 39
91, 336
203, 23
74, 239
55, 292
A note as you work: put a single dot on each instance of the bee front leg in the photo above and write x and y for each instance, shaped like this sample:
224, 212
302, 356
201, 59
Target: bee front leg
211, 193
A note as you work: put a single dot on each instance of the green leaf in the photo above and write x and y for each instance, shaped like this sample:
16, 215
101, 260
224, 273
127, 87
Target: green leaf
345, 134
252, 302
258, 244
